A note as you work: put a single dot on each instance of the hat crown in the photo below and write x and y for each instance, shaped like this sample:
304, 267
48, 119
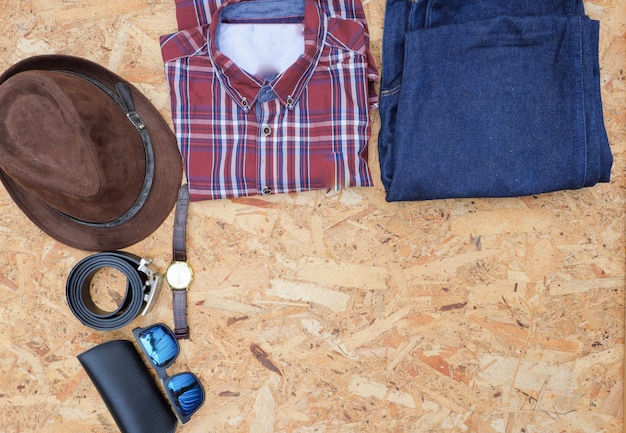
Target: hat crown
70, 146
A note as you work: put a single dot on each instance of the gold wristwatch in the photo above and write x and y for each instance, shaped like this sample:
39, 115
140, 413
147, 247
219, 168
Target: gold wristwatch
179, 273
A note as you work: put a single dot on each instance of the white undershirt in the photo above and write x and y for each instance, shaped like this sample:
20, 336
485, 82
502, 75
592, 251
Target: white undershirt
262, 49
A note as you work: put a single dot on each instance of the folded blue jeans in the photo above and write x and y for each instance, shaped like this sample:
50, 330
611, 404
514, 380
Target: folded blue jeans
490, 98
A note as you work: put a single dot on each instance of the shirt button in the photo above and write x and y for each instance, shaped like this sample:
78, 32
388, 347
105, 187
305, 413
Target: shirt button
266, 130
267, 190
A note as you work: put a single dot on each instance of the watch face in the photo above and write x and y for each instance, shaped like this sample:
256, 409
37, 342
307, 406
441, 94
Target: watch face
178, 275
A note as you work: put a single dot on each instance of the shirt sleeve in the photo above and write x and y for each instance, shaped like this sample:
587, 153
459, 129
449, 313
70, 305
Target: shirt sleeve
372, 70
354, 35
184, 43
353, 10
193, 13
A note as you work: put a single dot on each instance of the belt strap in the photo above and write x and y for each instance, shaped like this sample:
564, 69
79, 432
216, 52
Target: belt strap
142, 287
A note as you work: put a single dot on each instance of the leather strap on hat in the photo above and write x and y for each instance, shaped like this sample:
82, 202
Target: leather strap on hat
142, 287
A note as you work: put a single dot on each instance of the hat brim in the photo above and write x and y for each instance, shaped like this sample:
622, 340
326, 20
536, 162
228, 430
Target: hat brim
167, 170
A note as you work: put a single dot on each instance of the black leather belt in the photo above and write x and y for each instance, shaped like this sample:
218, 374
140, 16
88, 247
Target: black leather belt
142, 287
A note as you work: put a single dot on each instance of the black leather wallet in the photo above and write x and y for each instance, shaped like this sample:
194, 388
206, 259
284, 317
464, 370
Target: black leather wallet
127, 388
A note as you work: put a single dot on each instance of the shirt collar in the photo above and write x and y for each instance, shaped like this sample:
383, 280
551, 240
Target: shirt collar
244, 87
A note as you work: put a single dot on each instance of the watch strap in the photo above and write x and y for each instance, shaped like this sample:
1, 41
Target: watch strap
181, 330
179, 248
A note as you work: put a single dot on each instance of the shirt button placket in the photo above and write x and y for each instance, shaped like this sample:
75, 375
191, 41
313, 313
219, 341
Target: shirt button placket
265, 115
266, 131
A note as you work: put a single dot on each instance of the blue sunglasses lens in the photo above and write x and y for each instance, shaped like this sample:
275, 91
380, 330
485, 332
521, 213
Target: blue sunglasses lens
186, 391
159, 344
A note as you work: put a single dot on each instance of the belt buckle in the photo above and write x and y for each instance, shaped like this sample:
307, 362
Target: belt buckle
152, 286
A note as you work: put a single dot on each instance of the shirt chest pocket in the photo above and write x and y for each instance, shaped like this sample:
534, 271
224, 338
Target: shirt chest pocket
346, 35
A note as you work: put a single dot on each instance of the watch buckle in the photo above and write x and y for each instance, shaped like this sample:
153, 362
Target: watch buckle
152, 286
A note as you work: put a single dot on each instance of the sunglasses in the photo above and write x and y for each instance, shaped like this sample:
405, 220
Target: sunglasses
183, 389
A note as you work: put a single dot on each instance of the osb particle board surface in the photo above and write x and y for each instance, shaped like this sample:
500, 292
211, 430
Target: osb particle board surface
444, 316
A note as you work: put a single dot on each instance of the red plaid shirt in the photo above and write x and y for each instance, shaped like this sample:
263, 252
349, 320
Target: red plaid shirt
307, 128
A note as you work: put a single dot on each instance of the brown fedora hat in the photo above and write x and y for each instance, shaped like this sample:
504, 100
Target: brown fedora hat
84, 154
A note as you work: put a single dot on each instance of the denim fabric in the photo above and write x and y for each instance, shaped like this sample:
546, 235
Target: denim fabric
490, 98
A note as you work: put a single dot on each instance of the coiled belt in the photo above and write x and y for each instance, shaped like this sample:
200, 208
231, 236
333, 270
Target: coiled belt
142, 287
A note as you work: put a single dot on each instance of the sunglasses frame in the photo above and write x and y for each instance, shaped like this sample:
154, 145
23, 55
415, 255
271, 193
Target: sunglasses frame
162, 370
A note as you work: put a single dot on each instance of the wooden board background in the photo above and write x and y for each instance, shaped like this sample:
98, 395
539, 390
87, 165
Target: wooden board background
445, 316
